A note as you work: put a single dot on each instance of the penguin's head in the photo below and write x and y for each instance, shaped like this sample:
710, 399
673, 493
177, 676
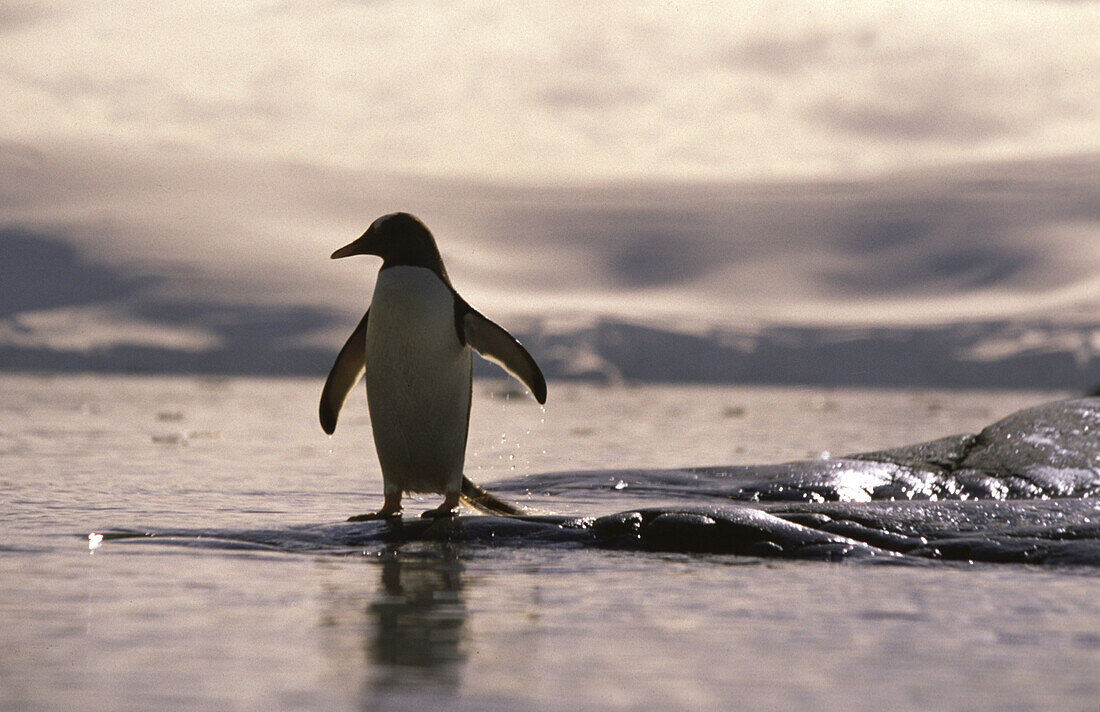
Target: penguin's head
399, 239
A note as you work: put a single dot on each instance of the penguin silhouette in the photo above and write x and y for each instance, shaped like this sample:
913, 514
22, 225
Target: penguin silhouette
413, 345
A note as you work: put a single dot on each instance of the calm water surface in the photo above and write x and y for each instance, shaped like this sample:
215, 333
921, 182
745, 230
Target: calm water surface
149, 625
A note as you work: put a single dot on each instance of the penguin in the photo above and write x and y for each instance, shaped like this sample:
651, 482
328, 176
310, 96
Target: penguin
414, 347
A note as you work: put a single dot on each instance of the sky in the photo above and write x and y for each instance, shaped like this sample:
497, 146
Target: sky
562, 91
691, 165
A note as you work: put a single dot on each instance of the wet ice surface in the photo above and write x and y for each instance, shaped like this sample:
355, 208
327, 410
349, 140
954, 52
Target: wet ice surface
474, 625
1021, 490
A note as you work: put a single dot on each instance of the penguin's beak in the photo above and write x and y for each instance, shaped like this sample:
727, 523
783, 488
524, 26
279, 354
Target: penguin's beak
362, 246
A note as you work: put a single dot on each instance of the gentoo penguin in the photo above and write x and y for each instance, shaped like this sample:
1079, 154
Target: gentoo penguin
413, 345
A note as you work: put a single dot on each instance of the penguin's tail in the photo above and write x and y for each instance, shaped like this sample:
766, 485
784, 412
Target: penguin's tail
476, 497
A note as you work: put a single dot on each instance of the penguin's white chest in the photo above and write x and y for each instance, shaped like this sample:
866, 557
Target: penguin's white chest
418, 382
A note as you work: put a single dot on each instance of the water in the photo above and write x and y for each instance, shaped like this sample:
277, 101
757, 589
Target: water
149, 625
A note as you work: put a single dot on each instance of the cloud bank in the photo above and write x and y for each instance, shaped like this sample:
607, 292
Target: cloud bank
153, 270
564, 91
757, 183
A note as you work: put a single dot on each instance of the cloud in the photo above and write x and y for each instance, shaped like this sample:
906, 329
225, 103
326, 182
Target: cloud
42, 271
950, 97
189, 167
625, 246
918, 249
18, 17
914, 118
259, 232
784, 55
564, 93
64, 310
593, 94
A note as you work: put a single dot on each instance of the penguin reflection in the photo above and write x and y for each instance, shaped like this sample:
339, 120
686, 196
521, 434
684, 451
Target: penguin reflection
418, 621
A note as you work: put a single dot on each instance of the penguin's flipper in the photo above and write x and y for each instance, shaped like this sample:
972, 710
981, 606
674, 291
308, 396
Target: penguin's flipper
350, 364
496, 344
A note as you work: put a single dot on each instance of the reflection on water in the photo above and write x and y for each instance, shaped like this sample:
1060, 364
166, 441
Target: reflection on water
416, 624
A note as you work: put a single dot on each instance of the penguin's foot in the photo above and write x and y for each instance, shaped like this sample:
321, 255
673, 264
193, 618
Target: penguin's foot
449, 508
391, 509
